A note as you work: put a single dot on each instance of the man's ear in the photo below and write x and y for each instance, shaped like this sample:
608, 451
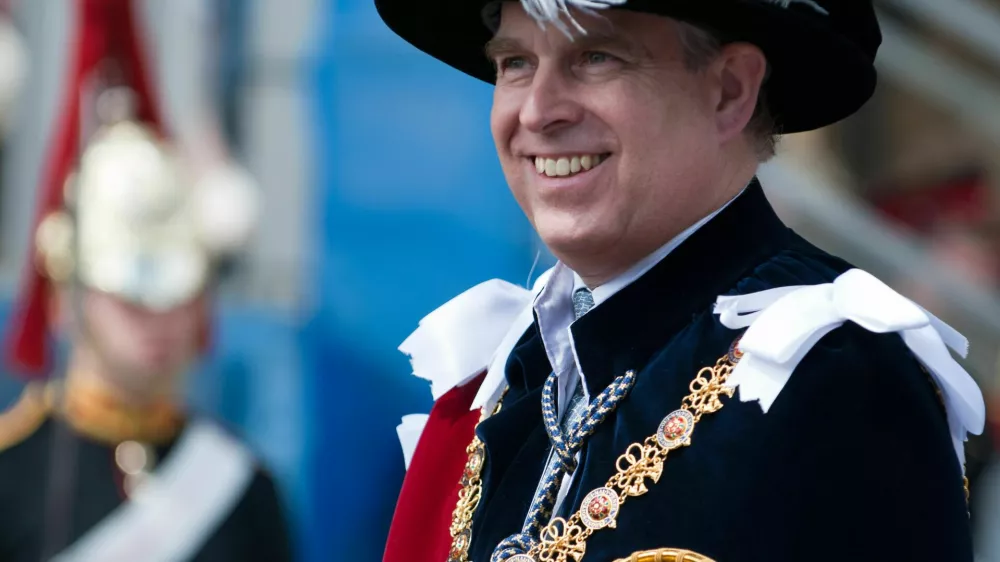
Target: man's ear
740, 69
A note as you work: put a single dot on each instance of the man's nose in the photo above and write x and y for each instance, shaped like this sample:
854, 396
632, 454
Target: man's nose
551, 102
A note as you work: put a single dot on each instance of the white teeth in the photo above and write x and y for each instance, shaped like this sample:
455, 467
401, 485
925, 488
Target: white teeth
567, 165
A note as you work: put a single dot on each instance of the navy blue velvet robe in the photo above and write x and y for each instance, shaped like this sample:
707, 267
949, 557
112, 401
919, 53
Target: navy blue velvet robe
852, 462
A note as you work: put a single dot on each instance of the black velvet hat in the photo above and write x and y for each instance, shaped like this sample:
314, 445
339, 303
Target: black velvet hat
821, 52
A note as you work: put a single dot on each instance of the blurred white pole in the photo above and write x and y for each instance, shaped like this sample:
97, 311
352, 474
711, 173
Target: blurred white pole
180, 35
818, 209
972, 96
974, 22
46, 28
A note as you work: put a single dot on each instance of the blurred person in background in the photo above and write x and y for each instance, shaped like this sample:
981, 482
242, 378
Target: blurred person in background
104, 463
595, 416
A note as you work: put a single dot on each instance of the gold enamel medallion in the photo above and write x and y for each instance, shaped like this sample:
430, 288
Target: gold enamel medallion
599, 509
675, 429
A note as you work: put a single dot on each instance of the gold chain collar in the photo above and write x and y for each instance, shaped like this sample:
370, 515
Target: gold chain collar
563, 539
470, 493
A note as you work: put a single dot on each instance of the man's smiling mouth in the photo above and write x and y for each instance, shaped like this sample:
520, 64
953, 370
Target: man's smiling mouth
567, 165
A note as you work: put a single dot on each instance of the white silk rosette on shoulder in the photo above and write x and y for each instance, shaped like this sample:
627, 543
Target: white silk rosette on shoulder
783, 324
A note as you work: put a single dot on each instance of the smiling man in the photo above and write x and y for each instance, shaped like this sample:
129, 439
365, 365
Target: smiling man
692, 380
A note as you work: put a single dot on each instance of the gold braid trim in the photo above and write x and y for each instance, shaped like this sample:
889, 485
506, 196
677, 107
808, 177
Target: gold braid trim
666, 555
24, 417
93, 411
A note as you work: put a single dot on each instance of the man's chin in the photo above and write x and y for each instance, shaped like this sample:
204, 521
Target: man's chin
153, 371
573, 244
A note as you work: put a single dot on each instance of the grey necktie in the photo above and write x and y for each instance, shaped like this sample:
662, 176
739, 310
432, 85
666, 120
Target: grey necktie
583, 301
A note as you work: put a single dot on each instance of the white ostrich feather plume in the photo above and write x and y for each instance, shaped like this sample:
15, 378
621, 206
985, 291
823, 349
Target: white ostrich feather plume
554, 11
811, 3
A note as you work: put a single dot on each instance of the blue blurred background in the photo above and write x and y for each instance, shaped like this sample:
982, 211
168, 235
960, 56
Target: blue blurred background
384, 198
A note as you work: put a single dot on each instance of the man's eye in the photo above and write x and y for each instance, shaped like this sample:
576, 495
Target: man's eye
596, 57
511, 63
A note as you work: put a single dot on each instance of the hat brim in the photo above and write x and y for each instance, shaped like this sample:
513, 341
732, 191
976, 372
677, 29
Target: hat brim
817, 76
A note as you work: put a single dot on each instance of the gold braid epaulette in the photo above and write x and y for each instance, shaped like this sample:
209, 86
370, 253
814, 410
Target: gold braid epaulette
24, 417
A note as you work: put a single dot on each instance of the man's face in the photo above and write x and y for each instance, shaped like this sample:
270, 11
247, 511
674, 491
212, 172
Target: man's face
606, 140
148, 349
